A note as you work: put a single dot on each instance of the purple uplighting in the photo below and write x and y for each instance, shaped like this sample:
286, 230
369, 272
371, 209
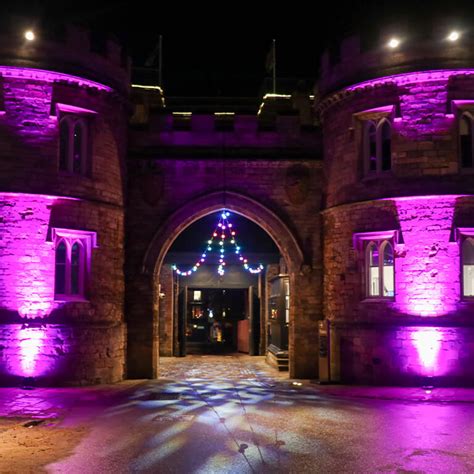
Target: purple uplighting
427, 342
427, 267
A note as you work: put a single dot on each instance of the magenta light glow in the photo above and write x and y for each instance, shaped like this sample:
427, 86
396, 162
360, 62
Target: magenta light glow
49, 76
427, 265
427, 342
31, 341
26, 256
412, 77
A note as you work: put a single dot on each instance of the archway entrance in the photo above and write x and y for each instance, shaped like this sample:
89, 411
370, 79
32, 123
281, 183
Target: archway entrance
302, 283
215, 299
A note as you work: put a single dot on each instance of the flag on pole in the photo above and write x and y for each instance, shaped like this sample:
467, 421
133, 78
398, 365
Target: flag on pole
270, 59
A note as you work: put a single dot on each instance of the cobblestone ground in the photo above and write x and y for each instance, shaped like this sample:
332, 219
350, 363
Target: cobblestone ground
234, 414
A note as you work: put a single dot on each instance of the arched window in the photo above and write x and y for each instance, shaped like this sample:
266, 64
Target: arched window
465, 141
64, 144
385, 134
380, 269
388, 270
73, 144
73, 262
370, 147
467, 258
76, 268
60, 269
373, 267
377, 146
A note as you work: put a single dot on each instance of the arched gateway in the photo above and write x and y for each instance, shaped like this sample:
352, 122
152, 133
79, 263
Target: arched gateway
300, 344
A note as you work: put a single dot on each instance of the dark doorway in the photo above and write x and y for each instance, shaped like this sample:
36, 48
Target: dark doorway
218, 321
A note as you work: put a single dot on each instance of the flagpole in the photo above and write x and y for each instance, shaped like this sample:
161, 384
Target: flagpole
274, 65
160, 62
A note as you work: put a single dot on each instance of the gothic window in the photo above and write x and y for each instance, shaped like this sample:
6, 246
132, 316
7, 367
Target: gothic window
73, 144
72, 263
377, 262
380, 272
377, 146
467, 262
466, 144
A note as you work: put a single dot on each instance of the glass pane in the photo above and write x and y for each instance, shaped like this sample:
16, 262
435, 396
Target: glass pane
388, 271
374, 288
386, 135
372, 138
75, 268
468, 267
78, 151
63, 144
465, 137
60, 270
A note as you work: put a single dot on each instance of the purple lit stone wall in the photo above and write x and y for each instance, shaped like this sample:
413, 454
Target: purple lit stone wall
427, 329
73, 342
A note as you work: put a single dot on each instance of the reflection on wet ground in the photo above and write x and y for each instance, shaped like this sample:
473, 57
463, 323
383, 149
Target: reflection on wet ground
236, 415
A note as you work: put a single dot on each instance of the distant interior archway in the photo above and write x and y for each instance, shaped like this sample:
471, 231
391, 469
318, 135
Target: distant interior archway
191, 212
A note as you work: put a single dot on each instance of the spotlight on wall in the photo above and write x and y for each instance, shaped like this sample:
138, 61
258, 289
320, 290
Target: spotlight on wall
393, 43
453, 36
29, 35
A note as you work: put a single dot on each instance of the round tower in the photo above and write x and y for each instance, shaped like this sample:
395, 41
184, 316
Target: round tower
63, 123
399, 218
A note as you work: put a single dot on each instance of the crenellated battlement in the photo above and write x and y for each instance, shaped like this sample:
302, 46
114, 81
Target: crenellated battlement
72, 51
191, 130
356, 60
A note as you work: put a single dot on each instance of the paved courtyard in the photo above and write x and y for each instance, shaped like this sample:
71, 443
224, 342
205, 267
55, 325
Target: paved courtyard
233, 414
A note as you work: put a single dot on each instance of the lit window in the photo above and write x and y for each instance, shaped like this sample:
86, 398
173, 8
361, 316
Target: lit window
72, 262
378, 257
380, 269
73, 144
377, 146
467, 259
465, 141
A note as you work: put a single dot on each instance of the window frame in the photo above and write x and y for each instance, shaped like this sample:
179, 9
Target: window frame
470, 117
464, 234
87, 240
378, 124
72, 121
362, 241
376, 117
72, 116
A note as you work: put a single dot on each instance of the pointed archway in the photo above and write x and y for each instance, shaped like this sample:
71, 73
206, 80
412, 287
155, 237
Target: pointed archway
303, 321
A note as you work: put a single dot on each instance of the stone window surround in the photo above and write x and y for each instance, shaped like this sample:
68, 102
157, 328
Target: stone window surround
87, 240
361, 241
75, 115
462, 234
376, 116
460, 109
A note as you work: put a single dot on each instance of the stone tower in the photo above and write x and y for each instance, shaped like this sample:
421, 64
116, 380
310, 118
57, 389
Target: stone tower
397, 128
63, 119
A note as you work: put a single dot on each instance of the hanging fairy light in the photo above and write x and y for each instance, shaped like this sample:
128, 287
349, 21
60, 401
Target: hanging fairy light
223, 233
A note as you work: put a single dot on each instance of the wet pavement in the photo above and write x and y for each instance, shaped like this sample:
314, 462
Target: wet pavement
234, 414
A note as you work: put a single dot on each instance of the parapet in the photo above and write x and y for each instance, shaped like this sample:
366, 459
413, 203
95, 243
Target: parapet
70, 50
352, 63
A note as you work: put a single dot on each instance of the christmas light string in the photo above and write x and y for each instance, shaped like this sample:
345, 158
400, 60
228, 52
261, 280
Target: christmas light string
224, 230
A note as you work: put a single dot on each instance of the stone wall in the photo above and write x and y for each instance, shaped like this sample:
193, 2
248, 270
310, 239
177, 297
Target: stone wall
82, 340
426, 329
166, 311
425, 145
290, 188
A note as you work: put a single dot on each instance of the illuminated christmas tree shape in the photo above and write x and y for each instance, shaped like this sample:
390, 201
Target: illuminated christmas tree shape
223, 234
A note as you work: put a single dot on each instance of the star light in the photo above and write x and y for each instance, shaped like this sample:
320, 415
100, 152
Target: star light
222, 225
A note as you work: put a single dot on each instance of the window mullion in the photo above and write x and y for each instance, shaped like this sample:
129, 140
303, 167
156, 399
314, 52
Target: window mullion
68, 268
381, 257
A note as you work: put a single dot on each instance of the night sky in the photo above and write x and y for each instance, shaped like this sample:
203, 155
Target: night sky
220, 50
250, 237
